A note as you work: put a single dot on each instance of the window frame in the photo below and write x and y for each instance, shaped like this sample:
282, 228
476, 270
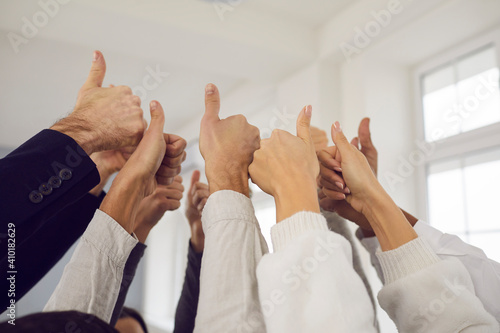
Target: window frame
460, 145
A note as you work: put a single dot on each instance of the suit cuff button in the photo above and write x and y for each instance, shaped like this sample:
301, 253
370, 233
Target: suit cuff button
45, 189
65, 174
55, 182
36, 197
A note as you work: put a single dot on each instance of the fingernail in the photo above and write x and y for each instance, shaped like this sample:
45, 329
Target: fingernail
337, 169
309, 110
153, 105
347, 190
339, 184
344, 196
209, 89
96, 56
337, 127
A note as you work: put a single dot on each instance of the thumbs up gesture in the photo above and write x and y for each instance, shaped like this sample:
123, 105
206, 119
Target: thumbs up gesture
286, 167
103, 118
227, 145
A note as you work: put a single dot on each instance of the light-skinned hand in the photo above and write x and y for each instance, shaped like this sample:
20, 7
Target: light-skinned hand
227, 145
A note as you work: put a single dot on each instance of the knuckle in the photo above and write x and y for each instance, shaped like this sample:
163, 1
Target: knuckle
125, 90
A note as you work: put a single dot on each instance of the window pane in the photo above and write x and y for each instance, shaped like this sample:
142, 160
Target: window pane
476, 63
446, 197
462, 96
479, 98
439, 108
489, 243
482, 184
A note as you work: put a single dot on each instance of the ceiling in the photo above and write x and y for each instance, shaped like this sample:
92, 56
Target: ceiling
195, 41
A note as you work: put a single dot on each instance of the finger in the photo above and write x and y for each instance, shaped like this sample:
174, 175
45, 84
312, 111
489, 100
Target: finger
174, 162
355, 142
157, 117
175, 145
326, 184
364, 133
334, 194
199, 195
173, 194
176, 185
161, 180
201, 205
304, 124
212, 102
332, 177
343, 146
178, 179
325, 157
97, 72
165, 171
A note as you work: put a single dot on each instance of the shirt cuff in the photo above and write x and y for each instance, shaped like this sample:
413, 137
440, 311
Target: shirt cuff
294, 226
227, 205
406, 259
104, 228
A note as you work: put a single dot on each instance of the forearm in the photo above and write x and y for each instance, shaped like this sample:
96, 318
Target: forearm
78, 129
233, 247
295, 196
100, 271
425, 294
123, 200
235, 179
388, 222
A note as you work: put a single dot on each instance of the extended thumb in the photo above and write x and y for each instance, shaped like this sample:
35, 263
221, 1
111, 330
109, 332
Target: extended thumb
97, 72
157, 116
339, 139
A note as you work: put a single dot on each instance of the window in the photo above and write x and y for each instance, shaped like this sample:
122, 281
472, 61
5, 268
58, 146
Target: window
460, 109
462, 95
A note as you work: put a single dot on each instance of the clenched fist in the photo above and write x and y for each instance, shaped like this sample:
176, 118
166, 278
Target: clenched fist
227, 145
103, 118
286, 167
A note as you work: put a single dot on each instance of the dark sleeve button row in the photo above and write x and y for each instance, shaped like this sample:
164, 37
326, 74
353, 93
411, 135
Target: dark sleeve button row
47, 188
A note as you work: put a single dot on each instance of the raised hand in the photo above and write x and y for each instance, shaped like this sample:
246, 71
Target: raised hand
138, 178
153, 207
333, 189
367, 147
103, 118
368, 196
286, 167
227, 145
197, 197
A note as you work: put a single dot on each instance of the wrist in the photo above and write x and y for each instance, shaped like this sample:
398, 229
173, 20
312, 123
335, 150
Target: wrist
197, 237
79, 131
294, 196
221, 179
123, 200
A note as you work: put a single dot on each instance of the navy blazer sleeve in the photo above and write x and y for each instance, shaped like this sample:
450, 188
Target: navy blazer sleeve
39, 179
36, 256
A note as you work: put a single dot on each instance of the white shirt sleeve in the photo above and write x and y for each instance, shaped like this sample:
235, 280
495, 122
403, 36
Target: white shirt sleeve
308, 284
228, 284
96, 279
484, 272
423, 293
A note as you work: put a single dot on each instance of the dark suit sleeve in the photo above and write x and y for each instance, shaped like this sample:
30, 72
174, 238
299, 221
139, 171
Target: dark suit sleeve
187, 307
40, 178
36, 256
